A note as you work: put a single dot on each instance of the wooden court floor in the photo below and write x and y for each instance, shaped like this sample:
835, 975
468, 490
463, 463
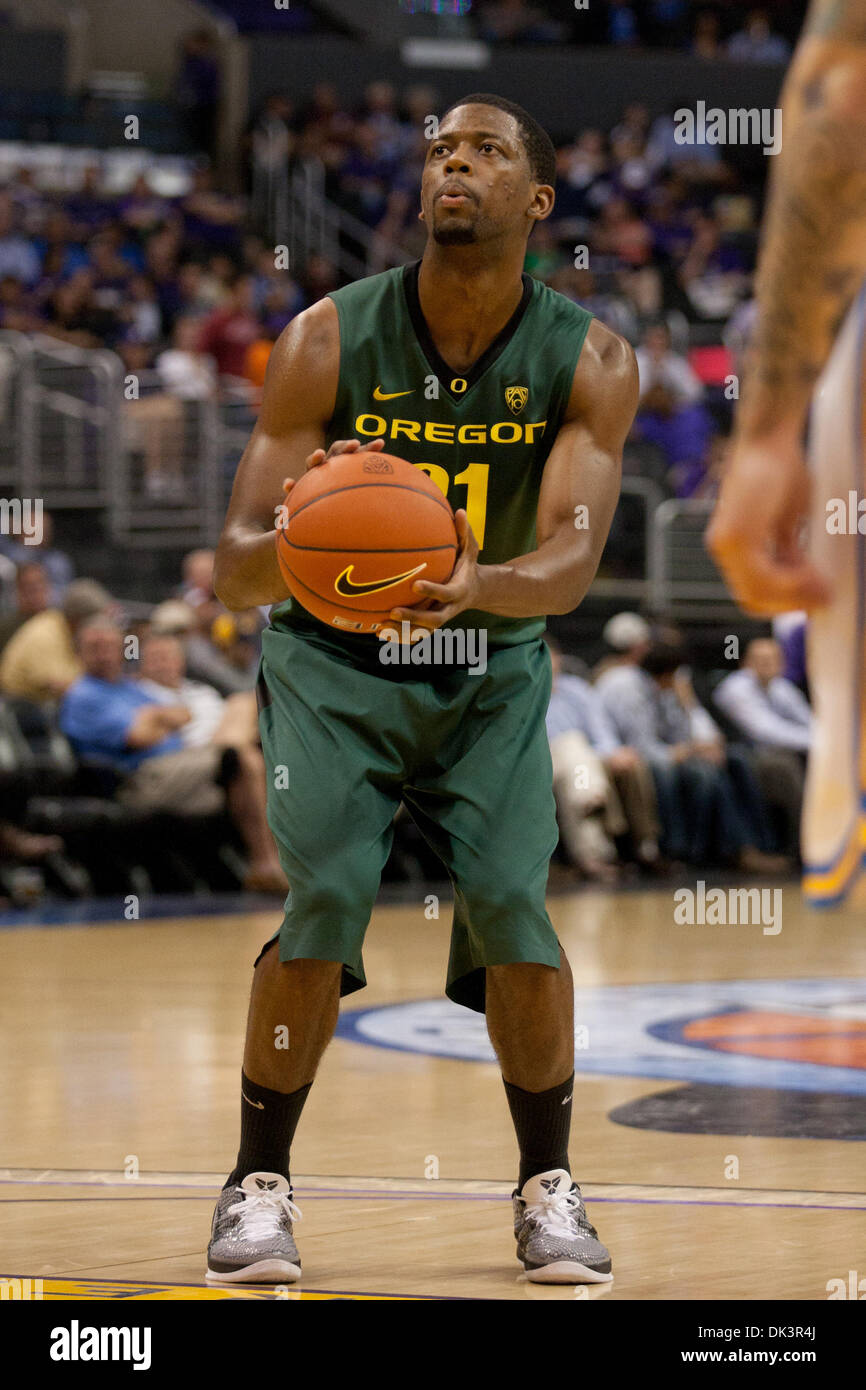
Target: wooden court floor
719, 1128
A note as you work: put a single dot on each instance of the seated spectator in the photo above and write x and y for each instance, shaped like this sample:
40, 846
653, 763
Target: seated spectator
88, 208
230, 666
41, 662
671, 413
627, 637
184, 370
709, 803
108, 717
56, 563
603, 789
32, 596
773, 716
756, 43
227, 721
73, 315
18, 255
227, 333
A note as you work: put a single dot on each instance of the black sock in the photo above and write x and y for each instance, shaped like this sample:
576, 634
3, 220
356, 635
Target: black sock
542, 1120
268, 1123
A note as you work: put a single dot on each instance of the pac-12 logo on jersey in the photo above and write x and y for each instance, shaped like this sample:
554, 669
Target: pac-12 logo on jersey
516, 398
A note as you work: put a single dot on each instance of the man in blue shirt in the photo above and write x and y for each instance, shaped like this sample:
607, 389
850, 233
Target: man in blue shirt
603, 788
108, 717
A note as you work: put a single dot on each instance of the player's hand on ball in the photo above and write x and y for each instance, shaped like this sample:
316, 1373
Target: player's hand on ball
461, 591
340, 446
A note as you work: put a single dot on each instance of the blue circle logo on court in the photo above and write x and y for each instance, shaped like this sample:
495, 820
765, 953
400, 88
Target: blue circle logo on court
804, 1035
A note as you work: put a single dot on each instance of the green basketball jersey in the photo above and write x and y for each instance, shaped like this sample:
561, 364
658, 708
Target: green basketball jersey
483, 438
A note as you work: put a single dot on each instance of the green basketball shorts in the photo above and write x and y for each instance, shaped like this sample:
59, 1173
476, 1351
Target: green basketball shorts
467, 754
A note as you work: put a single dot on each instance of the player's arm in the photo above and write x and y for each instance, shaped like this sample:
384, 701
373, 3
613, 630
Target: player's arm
579, 491
298, 400
813, 257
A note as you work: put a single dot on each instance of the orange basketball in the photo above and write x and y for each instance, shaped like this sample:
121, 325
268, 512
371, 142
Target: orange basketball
361, 529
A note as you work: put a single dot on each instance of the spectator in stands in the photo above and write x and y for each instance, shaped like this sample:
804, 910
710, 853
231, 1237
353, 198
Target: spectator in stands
56, 563
379, 116
706, 42
73, 315
140, 310
186, 371
41, 662
756, 43
32, 596
622, 26
327, 129
671, 413
141, 210
211, 219
603, 788
773, 716
697, 165
226, 335
229, 670
18, 255
228, 721
714, 272
88, 209
18, 307
198, 89
112, 272
709, 805
108, 717
627, 637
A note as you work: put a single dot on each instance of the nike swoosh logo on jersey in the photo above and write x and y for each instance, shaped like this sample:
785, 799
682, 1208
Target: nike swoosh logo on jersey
380, 395
256, 1103
346, 586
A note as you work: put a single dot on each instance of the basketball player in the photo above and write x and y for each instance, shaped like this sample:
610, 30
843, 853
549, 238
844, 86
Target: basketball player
809, 347
517, 403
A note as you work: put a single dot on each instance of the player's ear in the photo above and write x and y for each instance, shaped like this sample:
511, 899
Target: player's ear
542, 203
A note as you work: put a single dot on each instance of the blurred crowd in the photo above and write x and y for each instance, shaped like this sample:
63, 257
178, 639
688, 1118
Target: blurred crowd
130, 755
144, 730
726, 28
648, 779
129, 746
656, 238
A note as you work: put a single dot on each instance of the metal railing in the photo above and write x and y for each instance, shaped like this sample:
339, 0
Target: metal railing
624, 569
294, 211
684, 583
166, 483
70, 436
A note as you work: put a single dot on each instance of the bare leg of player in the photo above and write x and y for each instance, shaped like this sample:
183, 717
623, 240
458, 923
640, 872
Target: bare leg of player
530, 1019
246, 797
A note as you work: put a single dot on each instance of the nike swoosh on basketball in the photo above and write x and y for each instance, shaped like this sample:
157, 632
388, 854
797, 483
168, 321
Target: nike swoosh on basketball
346, 586
256, 1103
380, 395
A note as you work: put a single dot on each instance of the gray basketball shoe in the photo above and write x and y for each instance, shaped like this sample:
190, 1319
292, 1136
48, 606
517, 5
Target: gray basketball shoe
555, 1240
251, 1239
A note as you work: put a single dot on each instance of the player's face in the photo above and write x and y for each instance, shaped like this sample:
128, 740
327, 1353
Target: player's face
476, 182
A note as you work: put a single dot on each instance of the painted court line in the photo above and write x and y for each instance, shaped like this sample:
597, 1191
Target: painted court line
401, 1189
